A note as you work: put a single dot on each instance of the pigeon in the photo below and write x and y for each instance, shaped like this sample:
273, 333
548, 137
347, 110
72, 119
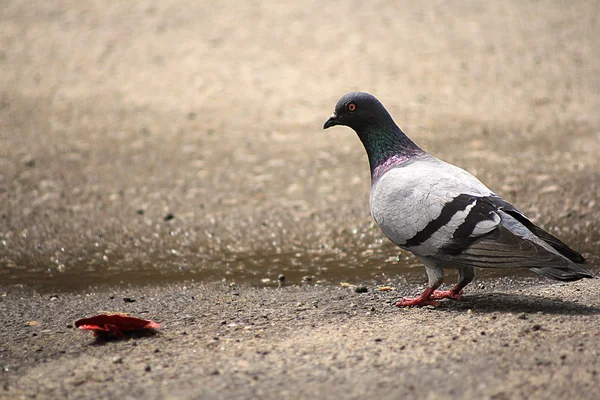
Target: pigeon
441, 213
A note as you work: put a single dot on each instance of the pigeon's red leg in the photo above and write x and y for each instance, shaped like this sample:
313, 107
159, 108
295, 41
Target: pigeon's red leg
423, 300
465, 276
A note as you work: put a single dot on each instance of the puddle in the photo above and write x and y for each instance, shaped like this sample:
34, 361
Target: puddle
309, 266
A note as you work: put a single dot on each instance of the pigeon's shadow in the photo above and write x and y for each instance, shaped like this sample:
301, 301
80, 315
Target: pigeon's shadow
511, 303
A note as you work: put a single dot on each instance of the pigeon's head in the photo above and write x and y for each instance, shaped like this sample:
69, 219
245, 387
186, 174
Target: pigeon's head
382, 138
357, 110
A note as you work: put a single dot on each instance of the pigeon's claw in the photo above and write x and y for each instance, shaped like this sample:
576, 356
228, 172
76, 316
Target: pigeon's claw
423, 300
447, 294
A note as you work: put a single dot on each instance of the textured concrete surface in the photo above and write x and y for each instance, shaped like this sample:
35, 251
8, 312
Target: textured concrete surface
504, 341
154, 143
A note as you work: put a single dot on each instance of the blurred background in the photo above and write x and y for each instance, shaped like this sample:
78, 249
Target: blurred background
151, 141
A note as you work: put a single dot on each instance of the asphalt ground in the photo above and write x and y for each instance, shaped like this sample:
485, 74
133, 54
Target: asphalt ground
150, 146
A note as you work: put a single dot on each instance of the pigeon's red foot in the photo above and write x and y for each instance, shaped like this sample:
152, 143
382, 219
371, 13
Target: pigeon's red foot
418, 301
447, 294
423, 300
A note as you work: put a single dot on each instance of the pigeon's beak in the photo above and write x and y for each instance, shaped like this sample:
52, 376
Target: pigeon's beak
331, 121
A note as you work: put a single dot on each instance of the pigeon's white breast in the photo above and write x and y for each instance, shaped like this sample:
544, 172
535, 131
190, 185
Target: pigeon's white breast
407, 198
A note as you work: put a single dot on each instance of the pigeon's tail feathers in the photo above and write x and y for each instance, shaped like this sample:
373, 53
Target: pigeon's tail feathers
550, 239
573, 272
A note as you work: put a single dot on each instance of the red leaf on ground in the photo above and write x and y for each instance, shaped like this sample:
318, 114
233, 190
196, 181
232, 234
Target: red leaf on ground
114, 324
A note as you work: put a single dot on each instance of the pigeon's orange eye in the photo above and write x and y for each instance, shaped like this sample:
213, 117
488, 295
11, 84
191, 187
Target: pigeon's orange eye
351, 107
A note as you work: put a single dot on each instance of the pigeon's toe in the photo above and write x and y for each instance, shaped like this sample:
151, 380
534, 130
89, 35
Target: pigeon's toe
418, 301
447, 294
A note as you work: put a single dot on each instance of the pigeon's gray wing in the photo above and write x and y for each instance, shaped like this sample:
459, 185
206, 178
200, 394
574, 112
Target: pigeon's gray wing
509, 244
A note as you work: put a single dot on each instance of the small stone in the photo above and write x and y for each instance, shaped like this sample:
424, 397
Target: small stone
117, 360
281, 277
169, 217
536, 327
522, 316
29, 161
148, 368
128, 300
361, 289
